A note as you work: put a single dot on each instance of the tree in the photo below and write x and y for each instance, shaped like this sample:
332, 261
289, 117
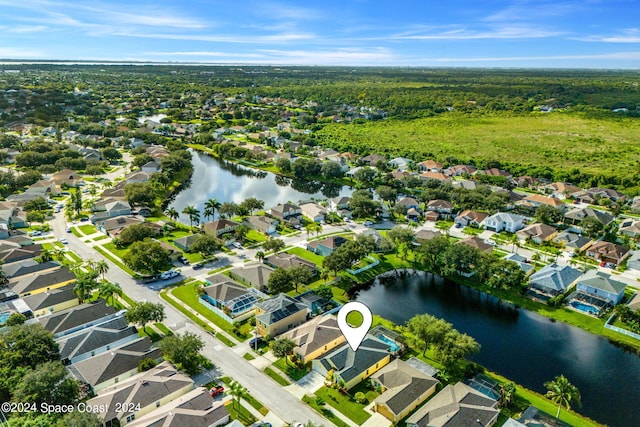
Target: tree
454, 346
260, 256
280, 281
282, 347
283, 165
237, 392
81, 419
184, 351
428, 330
562, 392
109, 290
252, 204
273, 244
227, 209
139, 193
507, 393
324, 291
362, 204
211, 206
241, 232
193, 214
147, 256
111, 154
300, 275
205, 244
592, 226
386, 193
399, 235
548, 214
77, 200
146, 364
48, 383
15, 319
366, 175
331, 170
145, 312
85, 284
135, 233
101, 267
172, 213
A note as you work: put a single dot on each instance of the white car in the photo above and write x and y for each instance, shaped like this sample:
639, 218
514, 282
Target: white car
368, 223
490, 242
169, 274
237, 245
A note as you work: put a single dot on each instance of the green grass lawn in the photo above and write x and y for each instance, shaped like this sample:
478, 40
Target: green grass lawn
87, 229
120, 253
162, 328
188, 295
290, 369
305, 254
276, 377
76, 232
344, 404
100, 238
324, 411
254, 236
240, 413
107, 254
248, 356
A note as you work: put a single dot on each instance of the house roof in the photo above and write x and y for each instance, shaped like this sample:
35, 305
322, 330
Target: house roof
111, 364
609, 250
331, 242
285, 260
473, 215
572, 240
541, 231
475, 242
408, 201
315, 334
219, 225
456, 406
50, 298
579, 214
41, 280
543, 200
194, 409
279, 210
630, 226
71, 318
601, 280
350, 364
312, 209
555, 277
230, 293
260, 222
341, 200
13, 254
119, 222
186, 241
438, 203
431, 164
504, 217
563, 187
92, 338
28, 266
277, 308
404, 383
257, 274
520, 260
434, 175
145, 388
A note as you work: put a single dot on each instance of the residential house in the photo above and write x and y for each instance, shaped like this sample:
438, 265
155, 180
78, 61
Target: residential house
437, 176
477, 243
51, 301
193, 409
4, 231
352, 367
229, 299
13, 252
553, 279
408, 202
378, 240
442, 207
400, 163
137, 177
114, 366
459, 170
185, 243
424, 235
373, 159
538, 233
313, 211
338, 203
116, 192
414, 214
430, 166
457, 405
41, 281
520, 261
279, 314
630, 228
96, 339
255, 275
503, 222
114, 226
401, 175
605, 193
600, 285
634, 302
112, 208
285, 260
314, 303
27, 267
633, 261
470, 218
77, 318
67, 177
263, 224
584, 197
316, 337
12, 215
576, 216
574, 241
608, 252
561, 190
287, 212
145, 392
635, 205
220, 227
174, 253
537, 200
151, 167
404, 389
496, 172
326, 246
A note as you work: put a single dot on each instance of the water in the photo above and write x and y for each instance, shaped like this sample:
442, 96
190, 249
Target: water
585, 307
4, 317
229, 182
521, 345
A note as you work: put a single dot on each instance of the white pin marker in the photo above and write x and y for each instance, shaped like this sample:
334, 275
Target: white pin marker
354, 335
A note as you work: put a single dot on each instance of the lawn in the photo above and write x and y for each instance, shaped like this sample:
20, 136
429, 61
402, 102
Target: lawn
120, 253
305, 254
88, 229
240, 413
276, 377
114, 260
324, 411
249, 399
248, 356
76, 232
162, 328
100, 238
290, 369
345, 404
254, 237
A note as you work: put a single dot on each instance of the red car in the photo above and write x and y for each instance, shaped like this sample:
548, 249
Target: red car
603, 263
214, 391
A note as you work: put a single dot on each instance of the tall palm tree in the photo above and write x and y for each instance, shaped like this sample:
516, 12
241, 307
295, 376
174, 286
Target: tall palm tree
260, 255
208, 212
562, 392
109, 290
101, 267
85, 284
46, 255
507, 393
59, 254
172, 213
192, 213
213, 205
237, 391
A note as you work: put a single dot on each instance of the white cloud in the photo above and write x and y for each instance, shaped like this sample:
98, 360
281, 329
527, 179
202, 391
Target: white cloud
630, 35
463, 33
17, 52
630, 56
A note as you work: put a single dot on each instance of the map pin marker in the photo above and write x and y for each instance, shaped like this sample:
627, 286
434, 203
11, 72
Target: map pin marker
354, 335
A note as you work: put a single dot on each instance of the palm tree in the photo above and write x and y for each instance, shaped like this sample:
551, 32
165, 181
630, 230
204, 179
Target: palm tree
109, 290
85, 284
172, 213
237, 391
260, 255
515, 242
212, 205
59, 254
562, 392
46, 255
208, 212
101, 267
507, 392
192, 213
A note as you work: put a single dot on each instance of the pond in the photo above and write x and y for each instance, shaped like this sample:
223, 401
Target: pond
230, 182
521, 345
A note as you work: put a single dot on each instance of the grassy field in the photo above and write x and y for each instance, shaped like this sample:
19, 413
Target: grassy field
305, 254
559, 140
88, 229
276, 377
324, 411
291, 370
345, 404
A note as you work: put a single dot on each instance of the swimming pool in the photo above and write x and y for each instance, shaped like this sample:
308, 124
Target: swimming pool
585, 307
393, 346
4, 317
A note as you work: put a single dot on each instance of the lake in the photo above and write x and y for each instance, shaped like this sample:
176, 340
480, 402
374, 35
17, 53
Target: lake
230, 182
522, 345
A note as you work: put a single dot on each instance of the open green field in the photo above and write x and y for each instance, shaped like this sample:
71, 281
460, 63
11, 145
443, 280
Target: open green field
560, 140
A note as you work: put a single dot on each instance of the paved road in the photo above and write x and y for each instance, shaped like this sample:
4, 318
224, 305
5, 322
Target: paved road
279, 401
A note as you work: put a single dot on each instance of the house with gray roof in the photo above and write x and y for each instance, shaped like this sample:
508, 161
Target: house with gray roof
315, 337
96, 339
520, 261
229, 299
42, 281
194, 409
600, 285
185, 242
553, 279
76, 318
114, 366
404, 389
261, 223
574, 241
14, 252
633, 261
537, 233
255, 275
110, 209
456, 406
352, 367
279, 314
28, 267
146, 391
503, 221
51, 301
285, 260
576, 216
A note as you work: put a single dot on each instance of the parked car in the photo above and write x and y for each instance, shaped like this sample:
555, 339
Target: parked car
68, 229
64, 241
237, 245
490, 242
169, 274
603, 263
214, 391
84, 219
458, 225
198, 265
150, 279
368, 223
36, 233
183, 260
254, 342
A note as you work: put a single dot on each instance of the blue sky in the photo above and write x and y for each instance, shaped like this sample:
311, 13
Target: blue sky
487, 33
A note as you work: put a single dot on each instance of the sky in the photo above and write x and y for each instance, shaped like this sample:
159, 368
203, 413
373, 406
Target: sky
460, 33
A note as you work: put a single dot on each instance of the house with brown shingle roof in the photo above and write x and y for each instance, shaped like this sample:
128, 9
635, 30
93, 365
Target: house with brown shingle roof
430, 166
469, 217
538, 233
315, 337
219, 227
608, 252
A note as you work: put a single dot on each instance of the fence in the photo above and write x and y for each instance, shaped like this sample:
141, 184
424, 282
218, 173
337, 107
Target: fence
620, 330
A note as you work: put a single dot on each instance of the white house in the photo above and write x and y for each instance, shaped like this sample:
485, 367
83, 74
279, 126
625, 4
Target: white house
600, 285
503, 222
